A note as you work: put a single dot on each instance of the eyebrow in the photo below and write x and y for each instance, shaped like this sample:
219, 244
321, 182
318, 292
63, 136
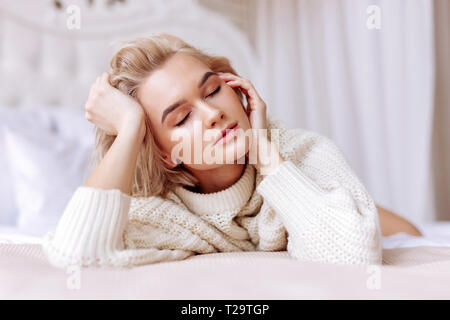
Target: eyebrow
180, 102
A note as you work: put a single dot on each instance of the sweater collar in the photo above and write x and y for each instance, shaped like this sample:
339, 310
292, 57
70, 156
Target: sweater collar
230, 199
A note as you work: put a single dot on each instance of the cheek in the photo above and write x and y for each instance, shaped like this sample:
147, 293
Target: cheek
179, 145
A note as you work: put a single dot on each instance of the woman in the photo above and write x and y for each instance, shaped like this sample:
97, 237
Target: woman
146, 203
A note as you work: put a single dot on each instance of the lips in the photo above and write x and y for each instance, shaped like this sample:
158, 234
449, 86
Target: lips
225, 131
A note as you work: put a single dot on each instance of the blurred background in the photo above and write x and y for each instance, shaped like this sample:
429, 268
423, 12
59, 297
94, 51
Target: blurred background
372, 75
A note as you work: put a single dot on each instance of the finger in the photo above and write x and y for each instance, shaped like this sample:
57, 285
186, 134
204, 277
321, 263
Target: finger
92, 90
94, 87
247, 89
97, 83
244, 83
105, 78
234, 84
227, 75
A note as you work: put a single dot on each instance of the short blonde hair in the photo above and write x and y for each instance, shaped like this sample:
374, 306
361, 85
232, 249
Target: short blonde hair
130, 66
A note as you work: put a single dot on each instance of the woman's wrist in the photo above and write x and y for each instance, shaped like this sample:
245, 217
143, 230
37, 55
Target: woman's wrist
274, 162
268, 157
134, 126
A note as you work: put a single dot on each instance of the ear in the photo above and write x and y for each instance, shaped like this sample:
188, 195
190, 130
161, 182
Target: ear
167, 162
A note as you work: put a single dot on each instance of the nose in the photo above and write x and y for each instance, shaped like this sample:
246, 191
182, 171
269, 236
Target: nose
213, 115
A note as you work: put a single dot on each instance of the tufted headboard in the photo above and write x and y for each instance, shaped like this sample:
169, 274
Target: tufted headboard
45, 60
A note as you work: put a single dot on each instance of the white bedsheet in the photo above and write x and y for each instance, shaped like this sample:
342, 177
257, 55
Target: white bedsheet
435, 234
9, 234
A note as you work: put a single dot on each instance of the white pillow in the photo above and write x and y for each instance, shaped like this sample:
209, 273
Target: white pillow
46, 168
8, 209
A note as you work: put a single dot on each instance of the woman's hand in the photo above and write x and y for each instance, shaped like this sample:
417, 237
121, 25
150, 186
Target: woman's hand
112, 110
256, 112
392, 223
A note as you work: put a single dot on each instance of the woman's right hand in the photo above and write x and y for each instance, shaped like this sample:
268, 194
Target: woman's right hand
112, 110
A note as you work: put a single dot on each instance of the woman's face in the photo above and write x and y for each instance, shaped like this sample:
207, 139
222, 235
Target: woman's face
186, 101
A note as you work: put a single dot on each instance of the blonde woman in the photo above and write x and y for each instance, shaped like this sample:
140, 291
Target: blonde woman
145, 203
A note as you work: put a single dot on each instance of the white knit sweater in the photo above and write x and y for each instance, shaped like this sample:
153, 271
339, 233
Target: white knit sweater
312, 205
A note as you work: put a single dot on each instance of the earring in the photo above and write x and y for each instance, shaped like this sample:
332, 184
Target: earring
178, 164
164, 158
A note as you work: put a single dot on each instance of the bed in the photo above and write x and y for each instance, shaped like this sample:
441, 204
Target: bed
44, 131
413, 268
408, 272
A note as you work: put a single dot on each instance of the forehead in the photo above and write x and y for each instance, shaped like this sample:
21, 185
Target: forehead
179, 75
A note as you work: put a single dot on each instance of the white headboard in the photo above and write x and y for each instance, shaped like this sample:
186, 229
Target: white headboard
43, 62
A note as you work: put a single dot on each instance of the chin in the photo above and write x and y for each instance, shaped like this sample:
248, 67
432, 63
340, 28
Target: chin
234, 150
222, 155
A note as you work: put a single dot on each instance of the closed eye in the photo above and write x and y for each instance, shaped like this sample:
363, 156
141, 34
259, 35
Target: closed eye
182, 121
214, 92
187, 116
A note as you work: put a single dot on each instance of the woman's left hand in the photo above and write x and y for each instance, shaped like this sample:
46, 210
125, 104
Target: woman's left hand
256, 109
257, 114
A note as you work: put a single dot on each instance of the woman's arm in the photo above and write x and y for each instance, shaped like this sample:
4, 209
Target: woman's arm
95, 224
391, 223
121, 116
116, 170
95, 231
92, 227
325, 209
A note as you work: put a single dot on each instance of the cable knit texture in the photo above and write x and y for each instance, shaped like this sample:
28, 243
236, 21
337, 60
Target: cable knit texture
312, 205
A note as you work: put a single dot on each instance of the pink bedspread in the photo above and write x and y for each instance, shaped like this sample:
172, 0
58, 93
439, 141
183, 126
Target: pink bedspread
406, 273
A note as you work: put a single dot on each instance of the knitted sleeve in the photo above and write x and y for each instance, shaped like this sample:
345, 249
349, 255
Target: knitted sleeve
327, 212
92, 232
